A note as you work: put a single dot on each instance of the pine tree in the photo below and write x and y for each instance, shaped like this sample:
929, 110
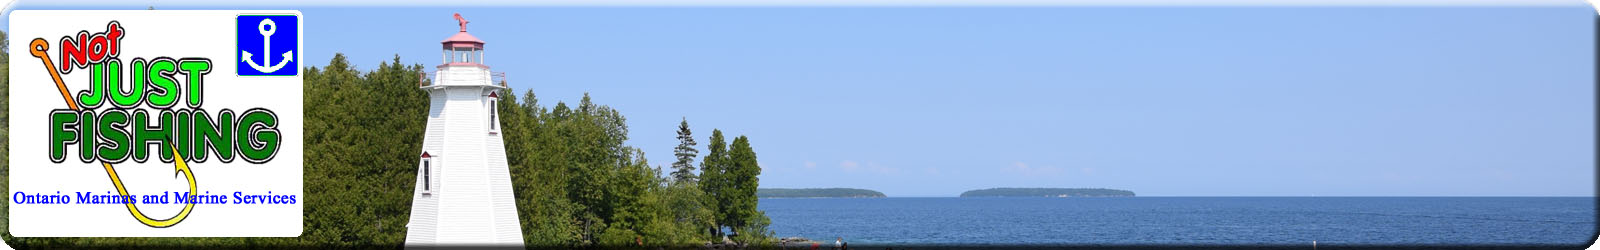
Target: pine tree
683, 169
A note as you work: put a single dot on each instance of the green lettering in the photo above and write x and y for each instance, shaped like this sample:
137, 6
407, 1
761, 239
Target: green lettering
116, 147
62, 133
144, 135
184, 135
219, 137
262, 134
194, 69
161, 81
86, 139
114, 84
92, 97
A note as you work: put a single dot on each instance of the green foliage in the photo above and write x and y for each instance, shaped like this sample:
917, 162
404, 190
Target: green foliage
729, 177
690, 212
816, 193
359, 127
545, 212
618, 237
713, 180
740, 184
1047, 192
578, 184
755, 232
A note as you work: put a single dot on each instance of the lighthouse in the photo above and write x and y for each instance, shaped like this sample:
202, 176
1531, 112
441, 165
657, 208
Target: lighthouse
463, 194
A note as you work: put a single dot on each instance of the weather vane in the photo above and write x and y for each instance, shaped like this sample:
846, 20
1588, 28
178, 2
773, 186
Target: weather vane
461, 21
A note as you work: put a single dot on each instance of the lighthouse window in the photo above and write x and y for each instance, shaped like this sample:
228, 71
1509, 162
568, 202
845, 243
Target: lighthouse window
466, 55
427, 175
494, 111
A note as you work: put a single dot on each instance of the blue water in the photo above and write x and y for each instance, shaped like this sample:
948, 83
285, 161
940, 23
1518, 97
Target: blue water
1188, 220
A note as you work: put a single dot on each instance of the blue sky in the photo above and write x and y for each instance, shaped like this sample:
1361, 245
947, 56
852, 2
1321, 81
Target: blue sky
1164, 101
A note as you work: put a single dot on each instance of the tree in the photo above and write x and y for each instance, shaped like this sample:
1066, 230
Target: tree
741, 181
713, 180
683, 169
729, 177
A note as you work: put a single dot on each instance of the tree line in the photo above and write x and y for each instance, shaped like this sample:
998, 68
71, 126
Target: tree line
577, 183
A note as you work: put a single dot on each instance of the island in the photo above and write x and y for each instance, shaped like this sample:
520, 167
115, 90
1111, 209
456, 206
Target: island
817, 193
1047, 192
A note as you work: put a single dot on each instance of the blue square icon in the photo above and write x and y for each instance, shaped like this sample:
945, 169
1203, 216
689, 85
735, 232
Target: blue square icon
268, 45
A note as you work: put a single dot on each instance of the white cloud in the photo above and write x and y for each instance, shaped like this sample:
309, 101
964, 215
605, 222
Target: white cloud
811, 165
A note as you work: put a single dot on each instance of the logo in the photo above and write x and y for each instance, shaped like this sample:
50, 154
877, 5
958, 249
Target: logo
257, 36
138, 134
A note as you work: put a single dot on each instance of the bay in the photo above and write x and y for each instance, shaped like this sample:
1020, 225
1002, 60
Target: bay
1188, 220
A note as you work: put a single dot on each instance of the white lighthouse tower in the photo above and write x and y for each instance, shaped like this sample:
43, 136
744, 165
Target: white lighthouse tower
463, 194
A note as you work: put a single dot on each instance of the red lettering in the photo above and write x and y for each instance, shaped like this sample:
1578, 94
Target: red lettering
88, 49
98, 47
73, 53
114, 38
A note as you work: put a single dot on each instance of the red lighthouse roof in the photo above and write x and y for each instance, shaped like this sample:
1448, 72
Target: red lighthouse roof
463, 38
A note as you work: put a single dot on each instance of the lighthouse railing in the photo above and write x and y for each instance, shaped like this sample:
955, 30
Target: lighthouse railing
425, 79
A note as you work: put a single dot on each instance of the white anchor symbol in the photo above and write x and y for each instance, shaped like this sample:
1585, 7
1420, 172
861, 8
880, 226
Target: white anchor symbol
267, 27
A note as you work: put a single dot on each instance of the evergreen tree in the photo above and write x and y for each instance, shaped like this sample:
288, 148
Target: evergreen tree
740, 183
713, 180
683, 169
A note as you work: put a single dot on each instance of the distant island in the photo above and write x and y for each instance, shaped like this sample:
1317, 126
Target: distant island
1047, 192
817, 193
